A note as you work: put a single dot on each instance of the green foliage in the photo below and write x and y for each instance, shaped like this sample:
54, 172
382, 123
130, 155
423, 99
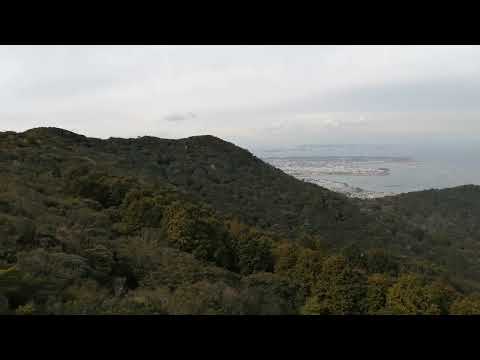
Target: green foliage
313, 306
107, 190
139, 302
27, 309
200, 226
18, 287
271, 294
10, 280
340, 287
4, 306
192, 229
141, 208
300, 265
254, 253
15, 232
438, 227
100, 258
468, 305
83, 298
410, 295
59, 266
376, 295
136, 259
286, 257
205, 298
379, 261
443, 295
355, 255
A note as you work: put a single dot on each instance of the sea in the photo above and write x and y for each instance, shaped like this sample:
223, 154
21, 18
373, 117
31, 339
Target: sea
370, 171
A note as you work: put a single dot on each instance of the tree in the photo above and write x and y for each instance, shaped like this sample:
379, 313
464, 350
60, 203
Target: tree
286, 256
467, 305
355, 256
27, 309
141, 208
270, 294
254, 254
410, 296
313, 307
206, 298
376, 296
100, 258
84, 298
4, 308
340, 288
105, 189
379, 261
443, 295
193, 229
18, 287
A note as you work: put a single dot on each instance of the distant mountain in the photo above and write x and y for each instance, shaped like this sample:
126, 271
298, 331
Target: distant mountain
199, 225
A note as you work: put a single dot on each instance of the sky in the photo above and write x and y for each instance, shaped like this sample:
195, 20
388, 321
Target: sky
255, 96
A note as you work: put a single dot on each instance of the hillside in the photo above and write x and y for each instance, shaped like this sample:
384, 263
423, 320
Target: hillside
199, 225
447, 223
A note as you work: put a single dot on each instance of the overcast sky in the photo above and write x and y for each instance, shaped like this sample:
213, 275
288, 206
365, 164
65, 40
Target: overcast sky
258, 96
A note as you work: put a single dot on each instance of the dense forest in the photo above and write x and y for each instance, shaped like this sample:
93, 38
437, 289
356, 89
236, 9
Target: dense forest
201, 226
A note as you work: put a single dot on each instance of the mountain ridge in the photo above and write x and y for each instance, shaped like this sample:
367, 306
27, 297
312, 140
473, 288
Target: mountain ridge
217, 208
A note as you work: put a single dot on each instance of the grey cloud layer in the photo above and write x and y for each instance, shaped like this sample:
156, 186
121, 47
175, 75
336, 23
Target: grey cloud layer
243, 93
179, 117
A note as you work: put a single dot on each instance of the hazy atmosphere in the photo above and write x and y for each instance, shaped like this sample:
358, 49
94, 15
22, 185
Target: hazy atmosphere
339, 180
261, 96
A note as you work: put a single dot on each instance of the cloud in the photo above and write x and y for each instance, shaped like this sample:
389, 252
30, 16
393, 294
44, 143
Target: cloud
179, 117
331, 123
328, 120
297, 92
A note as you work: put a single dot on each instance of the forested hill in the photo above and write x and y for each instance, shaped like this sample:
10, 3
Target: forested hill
199, 225
208, 169
447, 223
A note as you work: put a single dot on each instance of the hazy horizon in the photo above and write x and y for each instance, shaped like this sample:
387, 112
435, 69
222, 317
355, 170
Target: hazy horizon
254, 96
